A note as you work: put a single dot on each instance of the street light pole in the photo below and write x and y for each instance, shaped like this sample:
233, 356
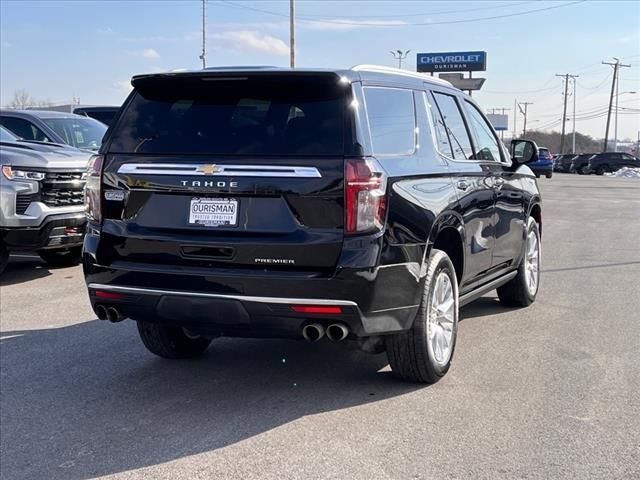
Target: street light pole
203, 55
575, 91
399, 55
292, 34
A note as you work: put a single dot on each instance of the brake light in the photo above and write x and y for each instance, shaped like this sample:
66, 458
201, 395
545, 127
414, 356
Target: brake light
365, 196
316, 309
93, 189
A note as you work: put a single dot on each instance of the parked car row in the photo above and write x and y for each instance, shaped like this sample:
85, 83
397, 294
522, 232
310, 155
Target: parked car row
44, 157
598, 163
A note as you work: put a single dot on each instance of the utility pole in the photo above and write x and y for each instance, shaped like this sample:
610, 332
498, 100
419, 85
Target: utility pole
524, 112
575, 92
292, 34
616, 66
203, 55
566, 77
399, 55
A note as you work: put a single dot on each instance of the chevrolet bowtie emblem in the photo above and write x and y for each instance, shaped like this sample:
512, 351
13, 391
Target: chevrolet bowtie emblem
208, 169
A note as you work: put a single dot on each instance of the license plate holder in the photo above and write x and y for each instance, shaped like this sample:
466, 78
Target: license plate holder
213, 212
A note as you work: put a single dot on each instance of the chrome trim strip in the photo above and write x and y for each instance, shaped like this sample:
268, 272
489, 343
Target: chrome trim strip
190, 169
244, 298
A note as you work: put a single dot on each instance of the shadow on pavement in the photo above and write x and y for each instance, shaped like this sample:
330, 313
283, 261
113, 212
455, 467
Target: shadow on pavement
88, 400
23, 269
482, 307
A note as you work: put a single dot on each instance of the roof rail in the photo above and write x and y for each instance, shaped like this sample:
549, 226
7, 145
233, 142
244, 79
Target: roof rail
399, 71
241, 67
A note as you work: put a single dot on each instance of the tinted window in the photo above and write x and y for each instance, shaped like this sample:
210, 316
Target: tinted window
486, 143
440, 131
454, 124
77, 131
23, 129
7, 136
241, 116
104, 117
392, 120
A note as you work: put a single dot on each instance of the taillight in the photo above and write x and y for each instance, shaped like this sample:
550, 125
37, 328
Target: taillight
93, 189
365, 196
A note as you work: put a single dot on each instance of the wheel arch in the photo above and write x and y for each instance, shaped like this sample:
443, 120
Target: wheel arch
535, 211
447, 235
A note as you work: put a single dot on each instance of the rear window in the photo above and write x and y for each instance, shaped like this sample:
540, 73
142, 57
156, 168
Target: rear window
241, 116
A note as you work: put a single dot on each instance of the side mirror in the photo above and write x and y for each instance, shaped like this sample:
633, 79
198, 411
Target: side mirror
524, 151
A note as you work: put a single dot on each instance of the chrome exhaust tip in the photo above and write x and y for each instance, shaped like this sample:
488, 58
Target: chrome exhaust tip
113, 315
337, 332
101, 312
313, 332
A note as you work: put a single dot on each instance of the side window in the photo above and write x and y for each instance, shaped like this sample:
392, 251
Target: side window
486, 143
455, 127
439, 129
392, 120
23, 129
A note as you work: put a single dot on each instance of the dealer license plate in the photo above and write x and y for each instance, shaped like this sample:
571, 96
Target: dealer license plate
213, 212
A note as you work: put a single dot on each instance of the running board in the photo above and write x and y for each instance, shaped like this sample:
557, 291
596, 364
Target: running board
480, 291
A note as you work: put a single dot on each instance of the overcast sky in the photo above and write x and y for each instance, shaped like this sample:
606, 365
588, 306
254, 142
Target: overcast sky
60, 49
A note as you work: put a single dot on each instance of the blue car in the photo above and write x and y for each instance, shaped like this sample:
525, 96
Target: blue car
544, 164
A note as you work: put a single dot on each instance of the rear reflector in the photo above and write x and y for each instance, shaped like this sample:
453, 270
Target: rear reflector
316, 309
109, 295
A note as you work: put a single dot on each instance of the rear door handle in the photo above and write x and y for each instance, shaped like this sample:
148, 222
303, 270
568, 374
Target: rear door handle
462, 185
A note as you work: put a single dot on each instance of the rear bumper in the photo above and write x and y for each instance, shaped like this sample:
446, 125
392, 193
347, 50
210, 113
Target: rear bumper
541, 169
241, 315
56, 231
256, 303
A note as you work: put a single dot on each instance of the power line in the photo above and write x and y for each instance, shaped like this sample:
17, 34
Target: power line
426, 13
404, 24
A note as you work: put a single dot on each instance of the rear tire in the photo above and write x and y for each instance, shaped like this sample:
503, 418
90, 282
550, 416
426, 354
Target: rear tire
601, 170
520, 291
62, 258
169, 341
423, 353
549, 175
584, 170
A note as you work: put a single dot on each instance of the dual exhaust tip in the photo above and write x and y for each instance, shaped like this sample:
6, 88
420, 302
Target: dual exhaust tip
335, 332
108, 313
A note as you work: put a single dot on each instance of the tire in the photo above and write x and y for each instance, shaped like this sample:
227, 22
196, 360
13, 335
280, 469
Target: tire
4, 257
518, 292
62, 258
168, 341
584, 170
601, 170
411, 353
537, 175
549, 175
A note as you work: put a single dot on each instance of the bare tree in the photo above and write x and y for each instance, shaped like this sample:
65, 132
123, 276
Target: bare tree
21, 100
44, 103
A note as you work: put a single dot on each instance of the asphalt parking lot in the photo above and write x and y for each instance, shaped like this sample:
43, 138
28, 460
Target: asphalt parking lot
551, 391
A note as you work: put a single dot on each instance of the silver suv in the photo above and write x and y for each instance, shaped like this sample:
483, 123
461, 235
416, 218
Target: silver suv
41, 199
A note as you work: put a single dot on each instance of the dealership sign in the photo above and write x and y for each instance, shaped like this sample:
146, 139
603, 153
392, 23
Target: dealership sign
452, 62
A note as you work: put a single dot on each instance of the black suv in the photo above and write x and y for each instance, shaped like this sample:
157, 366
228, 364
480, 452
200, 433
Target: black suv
579, 163
607, 162
562, 163
363, 205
